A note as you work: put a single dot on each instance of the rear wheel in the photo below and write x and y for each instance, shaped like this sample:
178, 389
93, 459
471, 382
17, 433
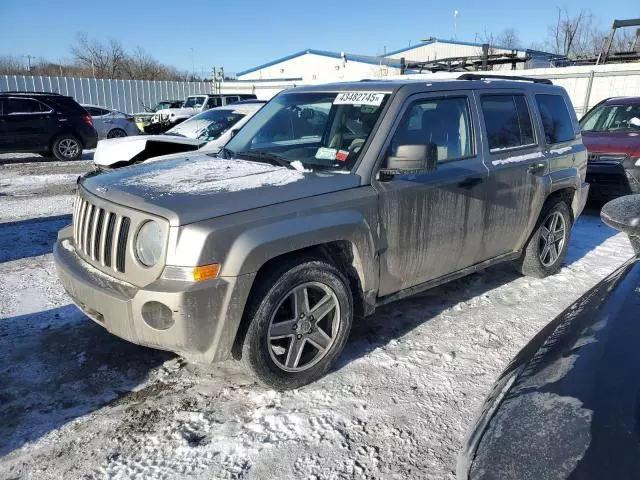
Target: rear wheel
300, 318
116, 133
547, 248
67, 147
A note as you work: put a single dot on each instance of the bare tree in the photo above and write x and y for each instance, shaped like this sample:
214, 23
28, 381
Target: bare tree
508, 38
105, 60
12, 65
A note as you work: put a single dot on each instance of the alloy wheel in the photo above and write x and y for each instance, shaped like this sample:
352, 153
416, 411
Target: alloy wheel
304, 327
552, 238
68, 148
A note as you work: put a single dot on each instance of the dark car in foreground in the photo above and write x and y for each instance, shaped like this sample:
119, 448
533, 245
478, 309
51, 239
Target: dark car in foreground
611, 133
568, 405
45, 123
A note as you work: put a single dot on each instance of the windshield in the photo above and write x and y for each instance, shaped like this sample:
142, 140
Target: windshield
208, 125
161, 106
194, 102
319, 129
612, 118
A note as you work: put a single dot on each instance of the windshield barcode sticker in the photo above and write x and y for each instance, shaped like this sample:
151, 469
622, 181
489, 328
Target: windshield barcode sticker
359, 98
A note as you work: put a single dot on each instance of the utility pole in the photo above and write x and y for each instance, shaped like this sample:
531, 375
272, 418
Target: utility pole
29, 57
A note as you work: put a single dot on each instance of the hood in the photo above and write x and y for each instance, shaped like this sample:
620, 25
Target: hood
612, 142
199, 186
177, 112
118, 150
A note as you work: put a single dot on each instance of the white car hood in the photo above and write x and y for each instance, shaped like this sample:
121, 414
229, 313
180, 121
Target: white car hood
116, 150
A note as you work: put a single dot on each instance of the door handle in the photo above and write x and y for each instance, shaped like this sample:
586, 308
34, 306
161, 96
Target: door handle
536, 168
470, 182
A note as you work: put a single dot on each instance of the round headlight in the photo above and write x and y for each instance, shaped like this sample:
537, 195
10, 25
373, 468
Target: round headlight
149, 244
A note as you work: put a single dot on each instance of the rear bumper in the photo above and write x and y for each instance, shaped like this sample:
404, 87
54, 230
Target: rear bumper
580, 199
204, 316
89, 137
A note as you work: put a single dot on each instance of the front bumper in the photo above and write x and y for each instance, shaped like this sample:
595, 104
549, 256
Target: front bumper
205, 315
610, 178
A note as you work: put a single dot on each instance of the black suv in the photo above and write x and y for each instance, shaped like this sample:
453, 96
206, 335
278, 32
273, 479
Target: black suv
45, 123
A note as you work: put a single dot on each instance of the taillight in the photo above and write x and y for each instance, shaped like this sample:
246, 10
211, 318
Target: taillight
88, 120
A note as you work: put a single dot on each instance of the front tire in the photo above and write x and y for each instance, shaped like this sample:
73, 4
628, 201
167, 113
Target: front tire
67, 147
300, 318
547, 248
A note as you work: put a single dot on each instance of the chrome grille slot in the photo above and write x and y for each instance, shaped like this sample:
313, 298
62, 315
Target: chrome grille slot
122, 244
108, 239
101, 235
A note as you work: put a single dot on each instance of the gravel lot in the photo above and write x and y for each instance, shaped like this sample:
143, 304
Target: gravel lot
76, 402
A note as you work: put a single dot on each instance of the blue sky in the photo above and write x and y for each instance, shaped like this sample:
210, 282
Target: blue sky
242, 34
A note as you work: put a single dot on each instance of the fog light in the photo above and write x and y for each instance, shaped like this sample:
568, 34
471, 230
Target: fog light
157, 315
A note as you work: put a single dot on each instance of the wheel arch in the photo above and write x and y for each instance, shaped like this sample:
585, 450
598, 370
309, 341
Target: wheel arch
348, 245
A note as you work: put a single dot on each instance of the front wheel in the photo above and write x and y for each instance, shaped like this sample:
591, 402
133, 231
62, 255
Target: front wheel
547, 248
300, 318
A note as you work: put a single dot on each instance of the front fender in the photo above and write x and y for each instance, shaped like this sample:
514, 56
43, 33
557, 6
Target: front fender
254, 247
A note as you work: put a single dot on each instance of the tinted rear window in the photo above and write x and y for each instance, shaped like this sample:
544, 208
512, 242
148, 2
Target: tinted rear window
556, 120
65, 105
508, 121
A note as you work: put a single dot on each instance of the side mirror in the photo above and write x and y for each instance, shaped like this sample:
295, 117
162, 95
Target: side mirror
635, 121
623, 214
409, 158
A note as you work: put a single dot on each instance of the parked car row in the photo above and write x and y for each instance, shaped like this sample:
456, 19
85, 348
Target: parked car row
53, 124
208, 131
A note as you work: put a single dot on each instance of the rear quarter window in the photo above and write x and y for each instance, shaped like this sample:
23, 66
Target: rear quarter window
556, 119
507, 121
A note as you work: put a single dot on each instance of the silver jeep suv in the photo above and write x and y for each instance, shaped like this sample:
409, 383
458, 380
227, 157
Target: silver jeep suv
330, 201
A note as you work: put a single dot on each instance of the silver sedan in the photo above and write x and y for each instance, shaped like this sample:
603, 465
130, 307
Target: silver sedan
112, 123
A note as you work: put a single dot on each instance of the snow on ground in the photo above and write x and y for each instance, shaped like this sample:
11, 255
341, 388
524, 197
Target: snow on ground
77, 402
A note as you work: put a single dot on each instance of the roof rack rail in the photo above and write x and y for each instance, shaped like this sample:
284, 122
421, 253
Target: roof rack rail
482, 76
24, 92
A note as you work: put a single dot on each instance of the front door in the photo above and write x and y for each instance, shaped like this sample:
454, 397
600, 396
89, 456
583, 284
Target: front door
431, 222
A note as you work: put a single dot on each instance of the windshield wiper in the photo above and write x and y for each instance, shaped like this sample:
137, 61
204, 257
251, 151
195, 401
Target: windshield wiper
269, 157
225, 153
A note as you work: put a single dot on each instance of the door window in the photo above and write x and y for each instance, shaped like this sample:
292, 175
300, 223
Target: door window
16, 106
442, 124
556, 120
508, 122
214, 102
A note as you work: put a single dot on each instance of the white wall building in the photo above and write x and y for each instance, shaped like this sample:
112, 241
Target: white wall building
319, 66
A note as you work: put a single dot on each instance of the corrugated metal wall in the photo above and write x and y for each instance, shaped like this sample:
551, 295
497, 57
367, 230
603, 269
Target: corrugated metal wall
124, 95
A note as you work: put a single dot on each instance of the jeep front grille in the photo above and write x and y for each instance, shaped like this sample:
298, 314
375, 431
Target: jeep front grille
100, 234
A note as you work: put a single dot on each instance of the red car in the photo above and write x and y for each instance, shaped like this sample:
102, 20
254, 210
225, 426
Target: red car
611, 133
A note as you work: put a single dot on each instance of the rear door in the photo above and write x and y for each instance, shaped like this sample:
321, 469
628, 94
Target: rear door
517, 163
29, 123
431, 222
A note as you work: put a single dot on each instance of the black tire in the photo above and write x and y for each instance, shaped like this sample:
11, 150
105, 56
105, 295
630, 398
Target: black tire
67, 147
116, 133
531, 262
259, 354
